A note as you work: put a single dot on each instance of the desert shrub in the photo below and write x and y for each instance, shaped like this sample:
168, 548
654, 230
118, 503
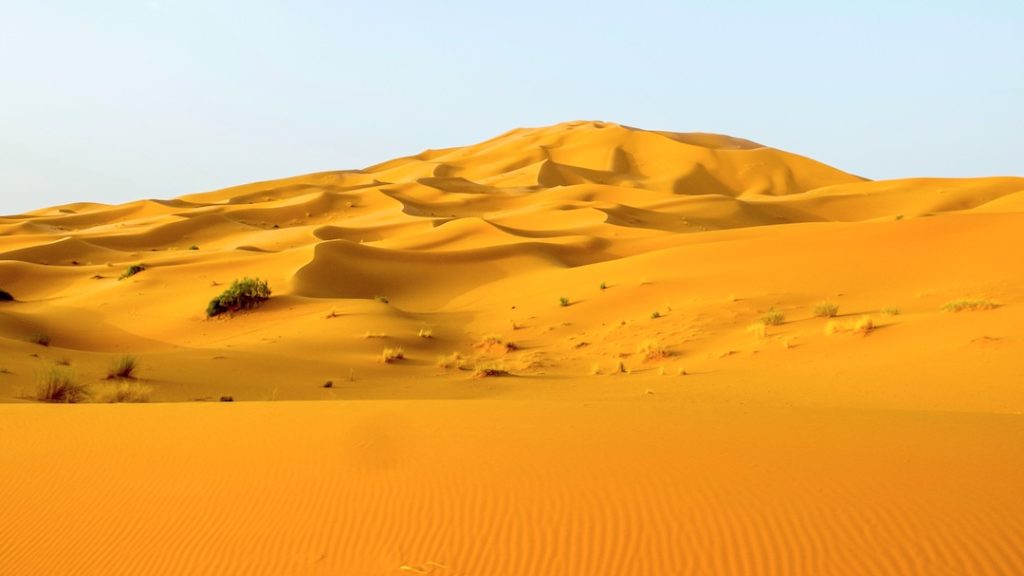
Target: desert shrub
58, 385
40, 338
426, 333
890, 311
758, 329
132, 271
193, 247
5, 296
773, 318
489, 370
864, 325
123, 392
563, 301
652, 349
392, 355
603, 286
123, 368
244, 294
965, 304
655, 315
382, 299
453, 360
826, 309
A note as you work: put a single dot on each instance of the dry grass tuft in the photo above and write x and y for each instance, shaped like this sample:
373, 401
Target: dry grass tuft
453, 360
58, 385
759, 330
970, 305
489, 370
426, 333
890, 311
826, 310
124, 392
392, 355
652, 349
123, 368
773, 318
863, 325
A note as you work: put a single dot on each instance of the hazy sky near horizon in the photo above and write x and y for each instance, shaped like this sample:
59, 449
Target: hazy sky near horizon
116, 100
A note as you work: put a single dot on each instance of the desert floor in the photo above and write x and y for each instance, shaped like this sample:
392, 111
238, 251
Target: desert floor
612, 363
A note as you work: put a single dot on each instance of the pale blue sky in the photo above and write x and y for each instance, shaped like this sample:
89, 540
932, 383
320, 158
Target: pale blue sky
114, 100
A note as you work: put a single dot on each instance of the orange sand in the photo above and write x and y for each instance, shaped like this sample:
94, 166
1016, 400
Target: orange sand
726, 447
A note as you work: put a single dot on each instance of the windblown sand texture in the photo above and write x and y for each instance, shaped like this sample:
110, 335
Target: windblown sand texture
587, 385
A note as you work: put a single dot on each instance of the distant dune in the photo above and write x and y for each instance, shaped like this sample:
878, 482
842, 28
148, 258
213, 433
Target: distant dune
579, 349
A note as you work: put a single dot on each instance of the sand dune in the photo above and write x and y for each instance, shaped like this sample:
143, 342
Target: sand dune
647, 421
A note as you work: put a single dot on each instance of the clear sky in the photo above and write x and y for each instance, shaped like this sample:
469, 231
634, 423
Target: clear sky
115, 100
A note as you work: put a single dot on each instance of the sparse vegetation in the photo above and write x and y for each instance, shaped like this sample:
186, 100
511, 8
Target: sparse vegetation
426, 333
773, 318
655, 315
227, 399
132, 271
864, 325
5, 296
453, 360
603, 286
369, 334
826, 310
193, 247
58, 385
244, 294
563, 301
489, 370
39, 338
652, 349
392, 355
965, 304
890, 311
382, 299
621, 368
123, 368
758, 329
124, 392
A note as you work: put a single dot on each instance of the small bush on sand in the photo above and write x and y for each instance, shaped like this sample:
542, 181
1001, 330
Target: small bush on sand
890, 311
58, 385
5, 296
123, 391
773, 318
453, 360
426, 333
382, 299
965, 304
652, 349
758, 329
123, 368
244, 294
603, 286
489, 370
40, 338
132, 271
563, 301
392, 355
864, 325
826, 310
655, 315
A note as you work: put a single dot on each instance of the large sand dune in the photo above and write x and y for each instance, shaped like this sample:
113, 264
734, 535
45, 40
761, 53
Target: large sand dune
652, 425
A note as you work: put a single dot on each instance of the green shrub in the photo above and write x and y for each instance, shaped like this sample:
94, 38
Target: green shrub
59, 385
244, 294
603, 286
5, 296
563, 301
132, 271
826, 309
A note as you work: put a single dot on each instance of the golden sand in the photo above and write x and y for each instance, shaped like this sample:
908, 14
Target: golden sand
611, 364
